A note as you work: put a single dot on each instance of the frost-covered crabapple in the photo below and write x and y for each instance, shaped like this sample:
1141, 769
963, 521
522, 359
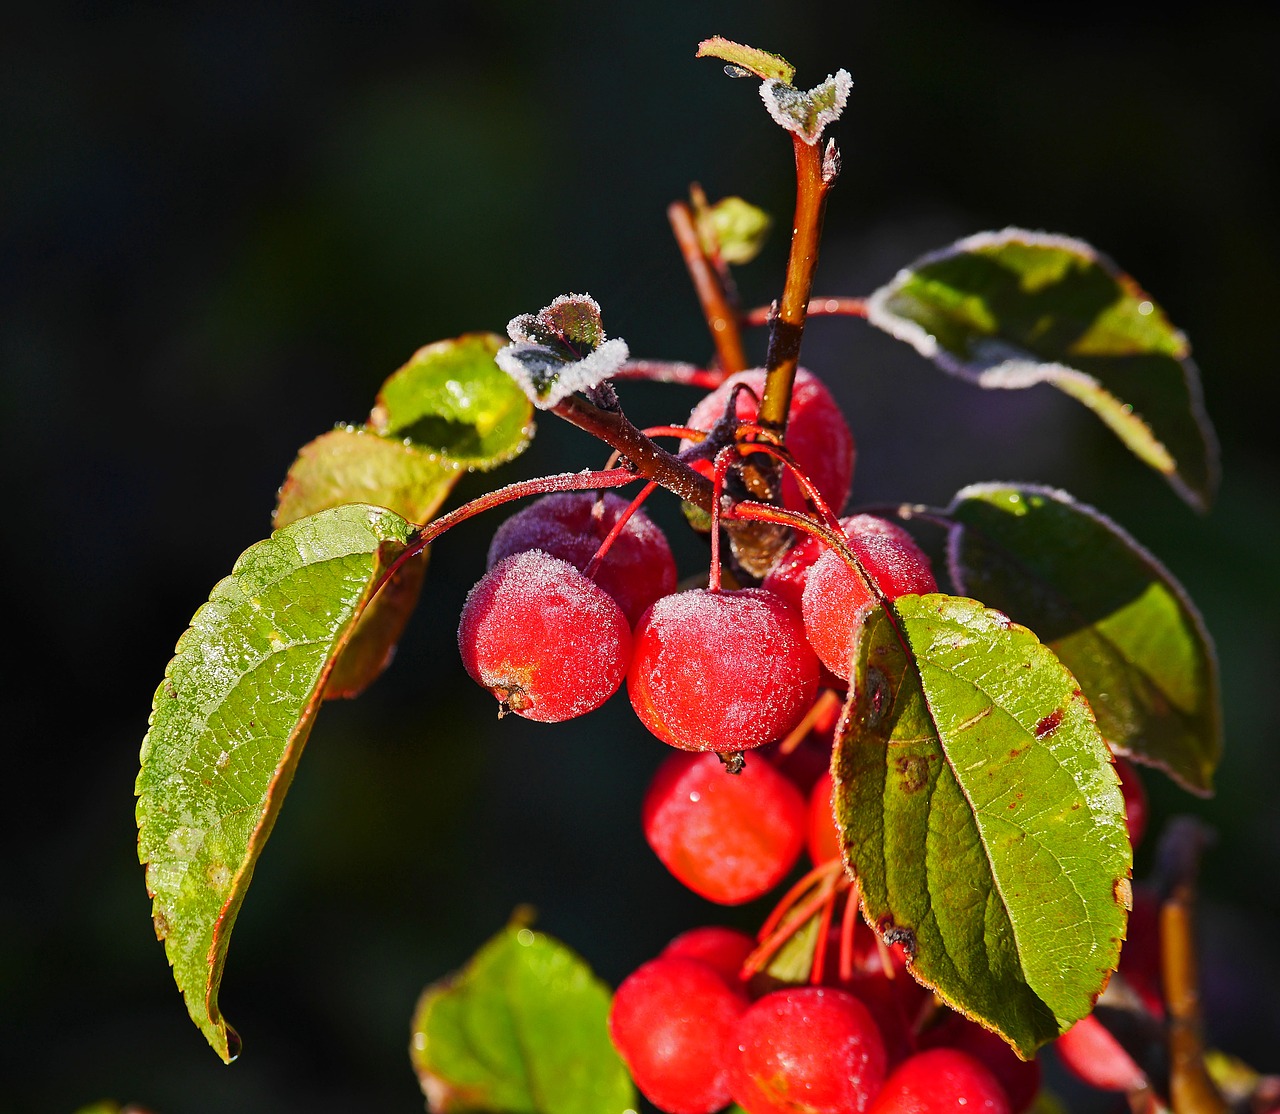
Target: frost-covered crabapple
638, 568
721, 670
546, 641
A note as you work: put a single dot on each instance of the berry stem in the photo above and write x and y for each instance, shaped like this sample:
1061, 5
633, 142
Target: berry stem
724, 458
648, 460
670, 371
806, 484
603, 551
793, 895
800, 915
722, 319
813, 182
848, 932
819, 967
821, 707
818, 307
542, 485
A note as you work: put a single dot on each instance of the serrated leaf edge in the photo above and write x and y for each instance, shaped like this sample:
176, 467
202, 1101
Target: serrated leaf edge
956, 571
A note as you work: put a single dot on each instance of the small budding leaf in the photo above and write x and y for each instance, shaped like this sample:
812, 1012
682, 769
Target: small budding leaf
1111, 612
228, 725
766, 66
560, 349
981, 814
1014, 308
522, 1029
734, 229
806, 115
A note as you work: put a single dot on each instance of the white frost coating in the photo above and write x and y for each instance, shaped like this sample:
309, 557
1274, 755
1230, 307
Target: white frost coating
794, 109
578, 375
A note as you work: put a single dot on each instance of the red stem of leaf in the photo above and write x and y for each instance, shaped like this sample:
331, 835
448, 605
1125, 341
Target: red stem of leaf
818, 307
612, 536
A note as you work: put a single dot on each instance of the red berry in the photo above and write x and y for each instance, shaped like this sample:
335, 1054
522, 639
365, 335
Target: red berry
1019, 1078
546, 641
824, 840
1136, 808
811, 1049
722, 671
728, 837
835, 599
638, 568
1095, 1057
722, 949
817, 434
671, 1021
941, 1081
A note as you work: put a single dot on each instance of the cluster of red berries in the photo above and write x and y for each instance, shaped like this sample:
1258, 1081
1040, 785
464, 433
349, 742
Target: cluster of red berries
696, 1034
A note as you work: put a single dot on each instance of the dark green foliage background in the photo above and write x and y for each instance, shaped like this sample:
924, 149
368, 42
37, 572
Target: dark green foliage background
225, 224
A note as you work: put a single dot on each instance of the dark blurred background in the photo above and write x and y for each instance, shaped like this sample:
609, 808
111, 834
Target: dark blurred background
223, 226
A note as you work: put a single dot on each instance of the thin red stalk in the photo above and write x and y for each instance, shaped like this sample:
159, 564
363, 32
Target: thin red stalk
612, 536
670, 371
820, 951
818, 709
542, 485
767, 947
818, 307
721, 318
793, 895
723, 459
848, 929
806, 484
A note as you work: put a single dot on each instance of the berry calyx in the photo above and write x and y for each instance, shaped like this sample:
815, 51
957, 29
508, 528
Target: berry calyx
546, 641
729, 837
638, 567
671, 1021
808, 1048
817, 434
941, 1081
835, 599
721, 670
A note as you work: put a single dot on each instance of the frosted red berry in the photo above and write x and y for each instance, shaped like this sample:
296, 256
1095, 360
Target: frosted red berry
722, 671
638, 568
941, 1081
729, 837
815, 1049
836, 600
546, 641
671, 1020
1020, 1079
817, 434
723, 949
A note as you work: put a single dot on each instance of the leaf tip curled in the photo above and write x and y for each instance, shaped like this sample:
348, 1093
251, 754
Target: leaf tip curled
806, 115
764, 65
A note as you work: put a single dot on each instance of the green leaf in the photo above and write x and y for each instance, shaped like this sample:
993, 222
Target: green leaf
1111, 612
228, 725
522, 1029
981, 814
734, 229
764, 65
807, 115
355, 465
452, 399
1014, 308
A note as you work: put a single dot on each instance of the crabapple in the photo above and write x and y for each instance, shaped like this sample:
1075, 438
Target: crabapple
722, 949
671, 1021
729, 838
546, 641
835, 598
817, 434
638, 568
1090, 1053
941, 1081
824, 840
809, 1048
721, 670
1020, 1079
